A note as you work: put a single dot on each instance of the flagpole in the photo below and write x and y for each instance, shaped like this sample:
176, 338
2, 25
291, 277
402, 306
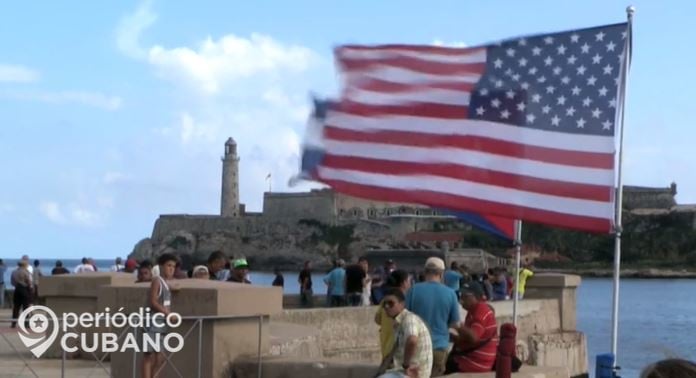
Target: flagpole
518, 253
619, 187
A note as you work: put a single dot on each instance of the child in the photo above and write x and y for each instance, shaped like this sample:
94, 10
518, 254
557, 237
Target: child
159, 300
201, 272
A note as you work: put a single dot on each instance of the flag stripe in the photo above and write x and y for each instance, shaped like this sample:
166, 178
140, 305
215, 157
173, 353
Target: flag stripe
350, 119
477, 175
384, 86
400, 75
474, 143
367, 52
413, 64
443, 96
413, 109
437, 198
475, 159
427, 182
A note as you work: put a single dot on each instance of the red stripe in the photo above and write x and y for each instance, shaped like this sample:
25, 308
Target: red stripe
466, 173
475, 143
414, 64
383, 86
462, 203
428, 49
414, 109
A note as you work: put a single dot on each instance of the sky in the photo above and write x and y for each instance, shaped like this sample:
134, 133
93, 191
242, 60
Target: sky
114, 112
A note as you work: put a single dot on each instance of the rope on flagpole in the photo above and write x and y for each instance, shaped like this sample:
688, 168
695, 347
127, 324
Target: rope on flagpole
618, 228
518, 252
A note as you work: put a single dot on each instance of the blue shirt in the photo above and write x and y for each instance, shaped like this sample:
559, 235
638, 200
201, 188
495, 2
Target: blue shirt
437, 305
452, 279
336, 281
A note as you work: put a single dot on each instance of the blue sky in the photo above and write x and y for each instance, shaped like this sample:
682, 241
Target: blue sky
112, 113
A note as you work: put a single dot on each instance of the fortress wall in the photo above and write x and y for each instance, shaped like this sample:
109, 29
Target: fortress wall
317, 205
197, 224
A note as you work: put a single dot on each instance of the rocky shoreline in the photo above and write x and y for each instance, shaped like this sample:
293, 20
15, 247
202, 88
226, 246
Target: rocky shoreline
626, 273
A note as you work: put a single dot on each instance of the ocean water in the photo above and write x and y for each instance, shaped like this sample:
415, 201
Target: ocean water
657, 317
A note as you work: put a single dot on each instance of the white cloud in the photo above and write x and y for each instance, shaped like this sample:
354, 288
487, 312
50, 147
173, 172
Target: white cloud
131, 26
18, 74
213, 64
93, 99
72, 214
51, 210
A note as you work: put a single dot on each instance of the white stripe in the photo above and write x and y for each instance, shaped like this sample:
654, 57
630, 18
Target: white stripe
466, 56
477, 159
434, 95
494, 130
479, 191
404, 76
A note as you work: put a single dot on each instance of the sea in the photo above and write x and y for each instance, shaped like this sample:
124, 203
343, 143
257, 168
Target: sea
657, 317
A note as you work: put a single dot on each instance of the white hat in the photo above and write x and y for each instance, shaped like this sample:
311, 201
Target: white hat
434, 263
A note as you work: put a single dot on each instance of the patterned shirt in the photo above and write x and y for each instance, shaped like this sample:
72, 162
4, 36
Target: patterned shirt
481, 320
408, 324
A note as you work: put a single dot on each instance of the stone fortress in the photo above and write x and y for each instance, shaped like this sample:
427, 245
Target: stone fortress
278, 236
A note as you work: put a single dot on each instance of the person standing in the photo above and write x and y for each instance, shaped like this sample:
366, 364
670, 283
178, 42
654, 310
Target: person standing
367, 284
279, 280
412, 354
525, 274
35, 277
21, 280
305, 281
453, 277
355, 281
3, 269
336, 284
159, 300
438, 306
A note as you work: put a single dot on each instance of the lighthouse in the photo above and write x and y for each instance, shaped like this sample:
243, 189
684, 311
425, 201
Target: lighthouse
229, 201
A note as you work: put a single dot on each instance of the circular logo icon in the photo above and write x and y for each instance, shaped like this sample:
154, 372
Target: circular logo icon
34, 323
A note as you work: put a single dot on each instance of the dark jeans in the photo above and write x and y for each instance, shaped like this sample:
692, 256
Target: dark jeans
307, 298
21, 300
338, 300
354, 299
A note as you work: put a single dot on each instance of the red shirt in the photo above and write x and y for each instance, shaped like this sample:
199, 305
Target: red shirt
481, 320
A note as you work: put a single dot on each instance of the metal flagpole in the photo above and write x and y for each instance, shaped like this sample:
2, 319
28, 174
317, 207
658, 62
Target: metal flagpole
518, 252
619, 187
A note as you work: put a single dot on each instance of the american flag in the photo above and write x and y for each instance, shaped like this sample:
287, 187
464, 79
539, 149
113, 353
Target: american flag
522, 129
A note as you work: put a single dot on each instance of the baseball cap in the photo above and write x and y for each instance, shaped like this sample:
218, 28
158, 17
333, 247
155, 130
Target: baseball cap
240, 264
473, 288
131, 264
434, 263
200, 268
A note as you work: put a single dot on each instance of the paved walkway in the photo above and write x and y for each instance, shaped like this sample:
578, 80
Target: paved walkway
12, 364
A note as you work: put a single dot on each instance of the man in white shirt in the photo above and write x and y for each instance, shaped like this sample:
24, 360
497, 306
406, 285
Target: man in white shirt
118, 266
84, 267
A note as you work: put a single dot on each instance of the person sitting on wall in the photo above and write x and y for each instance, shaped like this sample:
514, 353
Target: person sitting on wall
412, 354
240, 270
476, 341
59, 269
201, 272
216, 263
144, 272
401, 280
